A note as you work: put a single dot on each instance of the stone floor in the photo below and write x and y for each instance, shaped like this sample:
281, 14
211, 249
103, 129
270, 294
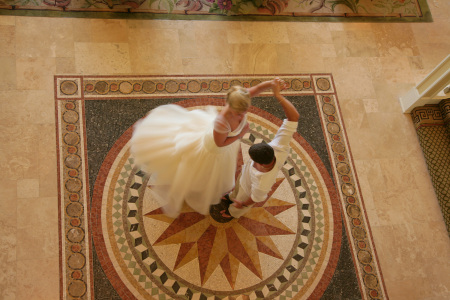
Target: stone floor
372, 65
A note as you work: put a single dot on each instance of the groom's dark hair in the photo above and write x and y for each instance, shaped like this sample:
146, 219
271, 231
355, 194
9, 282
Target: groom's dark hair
261, 153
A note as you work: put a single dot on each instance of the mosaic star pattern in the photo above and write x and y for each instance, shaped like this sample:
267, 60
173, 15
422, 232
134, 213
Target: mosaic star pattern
285, 247
226, 245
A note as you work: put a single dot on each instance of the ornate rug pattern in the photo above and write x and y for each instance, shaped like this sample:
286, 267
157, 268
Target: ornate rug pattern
309, 239
269, 10
432, 123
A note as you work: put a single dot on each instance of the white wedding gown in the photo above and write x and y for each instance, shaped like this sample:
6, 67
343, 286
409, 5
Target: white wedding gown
176, 146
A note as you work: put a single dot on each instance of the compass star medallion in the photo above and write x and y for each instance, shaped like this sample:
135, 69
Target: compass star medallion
281, 248
226, 245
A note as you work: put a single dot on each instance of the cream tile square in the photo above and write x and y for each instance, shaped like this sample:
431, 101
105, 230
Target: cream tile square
35, 73
55, 37
102, 58
254, 59
7, 40
265, 32
8, 247
7, 73
286, 63
82, 30
26, 107
65, 65
308, 58
18, 152
188, 44
370, 105
27, 188
47, 161
391, 69
37, 282
355, 43
109, 31
328, 50
433, 54
8, 202
212, 48
37, 242
352, 77
395, 39
205, 66
309, 33
354, 113
38, 213
159, 55
7, 20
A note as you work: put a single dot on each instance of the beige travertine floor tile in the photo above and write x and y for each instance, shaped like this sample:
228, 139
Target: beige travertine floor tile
212, 48
388, 94
264, 32
55, 37
355, 43
439, 8
47, 161
65, 65
36, 281
26, 107
18, 152
395, 39
8, 20
354, 113
206, 66
308, 58
286, 63
8, 200
7, 73
351, 76
309, 33
391, 69
432, 58
254, 59
82, 30
396, 246
35, 73
109, 31
188, 43
370, 105
158, 55
37, 242
27, 188
393, 133
8, 276
7, 40
102, 58
434, 32
39, 213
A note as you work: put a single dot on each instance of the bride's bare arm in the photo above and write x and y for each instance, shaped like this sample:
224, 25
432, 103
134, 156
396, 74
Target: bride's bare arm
222, 139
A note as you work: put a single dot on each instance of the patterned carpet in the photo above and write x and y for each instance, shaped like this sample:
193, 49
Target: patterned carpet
432, 124
310, 239
269, 10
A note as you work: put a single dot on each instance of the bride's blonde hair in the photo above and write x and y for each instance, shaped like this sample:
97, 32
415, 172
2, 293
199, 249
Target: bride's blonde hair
238, 98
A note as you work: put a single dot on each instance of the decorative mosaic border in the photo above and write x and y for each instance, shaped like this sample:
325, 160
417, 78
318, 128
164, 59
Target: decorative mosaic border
356, 222
75, 234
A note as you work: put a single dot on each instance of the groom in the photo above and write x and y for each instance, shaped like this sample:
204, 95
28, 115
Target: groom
260, 172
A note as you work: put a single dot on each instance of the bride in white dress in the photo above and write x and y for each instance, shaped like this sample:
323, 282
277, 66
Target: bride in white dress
192, 154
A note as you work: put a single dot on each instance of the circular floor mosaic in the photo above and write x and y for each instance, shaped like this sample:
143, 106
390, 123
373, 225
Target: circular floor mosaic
280, 249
